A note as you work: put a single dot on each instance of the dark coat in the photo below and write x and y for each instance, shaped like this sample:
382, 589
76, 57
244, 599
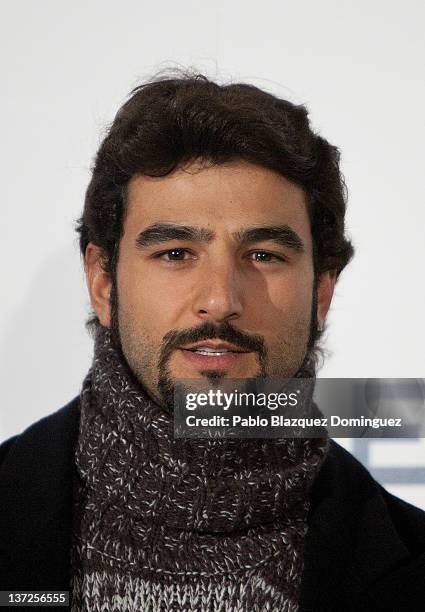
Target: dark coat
365, 549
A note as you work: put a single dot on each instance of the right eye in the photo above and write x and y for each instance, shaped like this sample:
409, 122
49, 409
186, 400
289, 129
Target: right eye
171, 255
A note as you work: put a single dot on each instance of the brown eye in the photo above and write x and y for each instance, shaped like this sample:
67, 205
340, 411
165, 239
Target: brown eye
174, 255
265, 257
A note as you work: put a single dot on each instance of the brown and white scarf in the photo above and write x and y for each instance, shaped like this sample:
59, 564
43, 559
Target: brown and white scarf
164, 524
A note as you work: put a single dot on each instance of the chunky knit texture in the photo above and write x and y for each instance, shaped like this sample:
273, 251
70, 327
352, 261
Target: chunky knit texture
164, 524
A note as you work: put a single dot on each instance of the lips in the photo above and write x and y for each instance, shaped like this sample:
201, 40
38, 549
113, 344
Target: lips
208, 354
212, 360
213, 348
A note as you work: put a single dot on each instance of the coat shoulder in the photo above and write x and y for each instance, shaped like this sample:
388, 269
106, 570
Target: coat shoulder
407, 520
54, 431
365, 548
36, 494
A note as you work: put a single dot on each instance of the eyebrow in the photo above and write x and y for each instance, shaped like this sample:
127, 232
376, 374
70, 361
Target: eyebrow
166, 232
282, 235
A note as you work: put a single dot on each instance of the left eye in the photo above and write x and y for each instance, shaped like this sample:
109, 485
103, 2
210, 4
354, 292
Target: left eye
265, 257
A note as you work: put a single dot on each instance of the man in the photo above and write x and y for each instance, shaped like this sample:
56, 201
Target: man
213, 236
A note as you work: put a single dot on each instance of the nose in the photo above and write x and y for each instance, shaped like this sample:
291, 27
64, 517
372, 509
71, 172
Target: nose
218, 294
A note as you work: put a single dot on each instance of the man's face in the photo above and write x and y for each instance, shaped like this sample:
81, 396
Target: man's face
214, 276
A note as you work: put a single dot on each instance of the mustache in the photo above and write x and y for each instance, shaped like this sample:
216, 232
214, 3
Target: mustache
209, 331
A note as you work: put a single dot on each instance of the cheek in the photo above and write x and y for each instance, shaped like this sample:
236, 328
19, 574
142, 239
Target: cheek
289, 300
146, 302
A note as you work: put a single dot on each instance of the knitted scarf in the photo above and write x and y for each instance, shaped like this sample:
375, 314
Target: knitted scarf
164, 524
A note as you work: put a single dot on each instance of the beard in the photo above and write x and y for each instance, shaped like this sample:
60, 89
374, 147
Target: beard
139, 365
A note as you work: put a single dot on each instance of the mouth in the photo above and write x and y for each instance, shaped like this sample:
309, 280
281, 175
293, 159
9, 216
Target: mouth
213, 354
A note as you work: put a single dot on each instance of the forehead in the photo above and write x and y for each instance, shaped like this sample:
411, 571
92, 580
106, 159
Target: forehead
222, 197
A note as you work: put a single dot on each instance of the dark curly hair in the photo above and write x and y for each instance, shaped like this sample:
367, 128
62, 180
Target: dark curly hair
169, 122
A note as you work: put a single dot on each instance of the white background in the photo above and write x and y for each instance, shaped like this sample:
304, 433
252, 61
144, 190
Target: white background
65, 70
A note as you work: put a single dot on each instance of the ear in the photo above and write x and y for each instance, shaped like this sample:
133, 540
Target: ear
325, 292
98, 283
